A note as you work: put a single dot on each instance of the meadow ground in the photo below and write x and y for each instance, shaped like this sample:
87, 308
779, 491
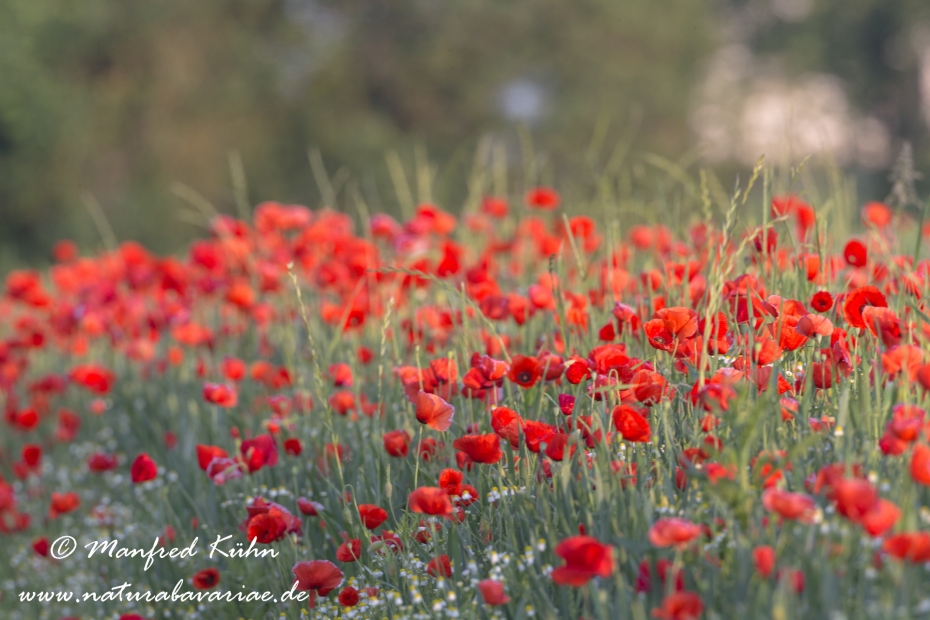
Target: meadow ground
511, 414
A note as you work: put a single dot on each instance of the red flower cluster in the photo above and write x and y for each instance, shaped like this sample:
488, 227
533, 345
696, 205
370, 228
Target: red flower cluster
657, 393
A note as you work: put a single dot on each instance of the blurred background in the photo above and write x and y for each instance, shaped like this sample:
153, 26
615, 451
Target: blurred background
120, 114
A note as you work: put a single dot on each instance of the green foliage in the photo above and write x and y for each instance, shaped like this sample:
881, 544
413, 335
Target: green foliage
869, 44
124, 99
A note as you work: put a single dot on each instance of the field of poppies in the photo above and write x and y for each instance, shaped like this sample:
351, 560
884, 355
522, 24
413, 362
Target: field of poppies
514, 413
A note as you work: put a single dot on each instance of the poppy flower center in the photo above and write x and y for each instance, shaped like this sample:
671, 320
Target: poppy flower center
525, 376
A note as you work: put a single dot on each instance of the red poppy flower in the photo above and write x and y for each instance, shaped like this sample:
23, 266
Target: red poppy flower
763, 557
641, 236
555, 448
26, 419
397, 443
444, 370
792, 506
430, 501
765, 349
884, 323
552, 366
440, 567
293, 446
537, 433
648, 387
525, 370
822, 301
206, 579
880, 518
233, 368
854, 497
494, 207
100, 462
903, 359
94, 378
679, 322
372, 516
631, 423
585, 558
923, 377
266, 528
891, 445
450, 480
349, 551
811, 265
493, 592
341, 374
65, 251
876, 214
320, 576
219, 394
260, 451
348, 597
682, 605
911, 546
673, 532
659, 337
855, 253
434, 411
206, 455
480, 448
811, 325
40, 546
31, 455
856, 301
906, 422
143, 469
577, 370
507, 423
542, 198
920, 464
308, 507
63, 503
364, 354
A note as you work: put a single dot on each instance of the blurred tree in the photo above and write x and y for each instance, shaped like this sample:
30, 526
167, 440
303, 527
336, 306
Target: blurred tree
122, 99
119, 101
873, 46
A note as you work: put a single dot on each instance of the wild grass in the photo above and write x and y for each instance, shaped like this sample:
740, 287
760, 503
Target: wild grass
125, 311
